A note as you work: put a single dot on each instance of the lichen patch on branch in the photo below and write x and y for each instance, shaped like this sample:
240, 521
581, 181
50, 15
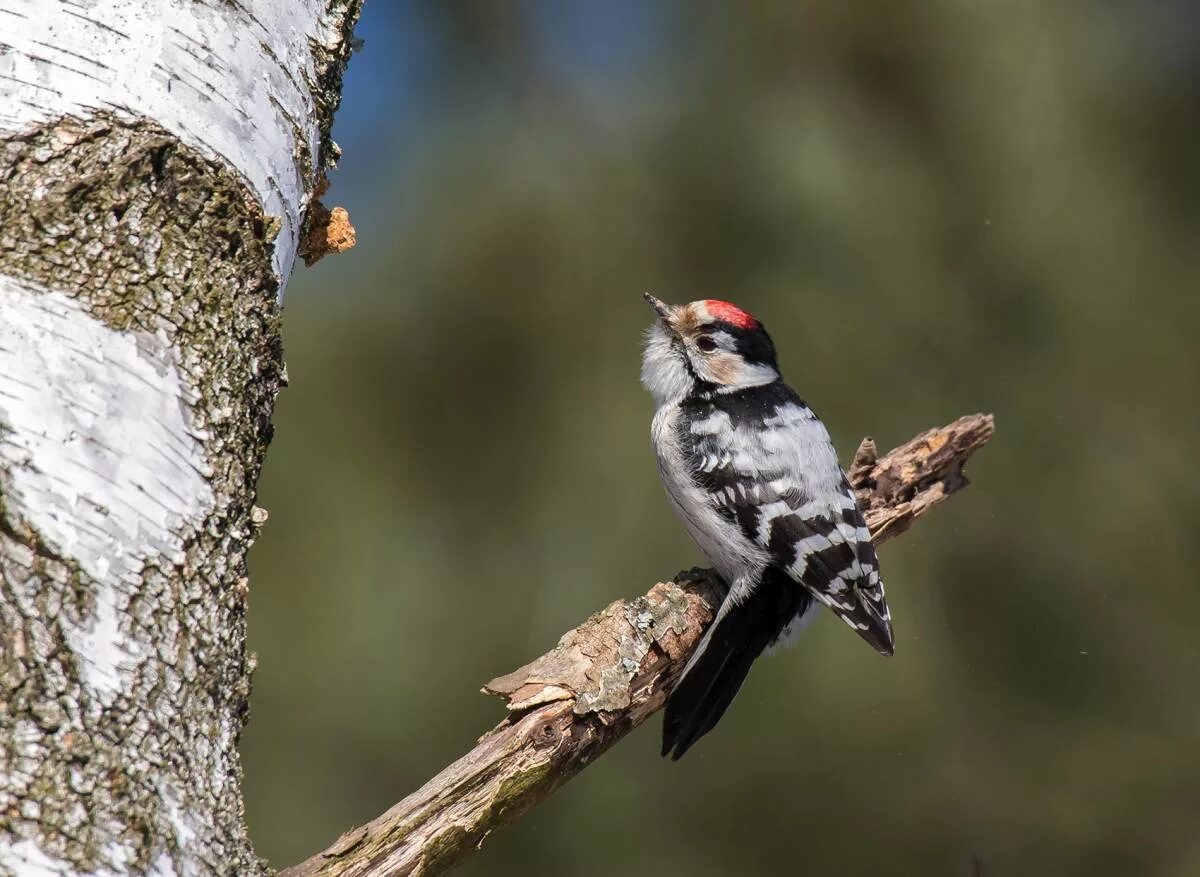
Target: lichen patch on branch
600, 664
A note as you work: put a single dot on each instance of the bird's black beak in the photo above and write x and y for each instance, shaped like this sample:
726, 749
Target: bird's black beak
660, 307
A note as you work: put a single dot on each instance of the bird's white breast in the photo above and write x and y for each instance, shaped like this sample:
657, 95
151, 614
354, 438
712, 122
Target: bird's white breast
734, 556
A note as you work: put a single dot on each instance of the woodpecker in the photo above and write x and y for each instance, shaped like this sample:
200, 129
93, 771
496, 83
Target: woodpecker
751, 471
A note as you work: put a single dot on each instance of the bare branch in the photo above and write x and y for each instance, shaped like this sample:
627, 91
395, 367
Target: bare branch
603, 679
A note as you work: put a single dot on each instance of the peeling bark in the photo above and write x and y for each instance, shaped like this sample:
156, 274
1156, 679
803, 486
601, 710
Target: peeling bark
603, 679
156, 160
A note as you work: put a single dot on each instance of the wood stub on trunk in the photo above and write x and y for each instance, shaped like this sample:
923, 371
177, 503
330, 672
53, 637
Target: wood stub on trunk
603, 679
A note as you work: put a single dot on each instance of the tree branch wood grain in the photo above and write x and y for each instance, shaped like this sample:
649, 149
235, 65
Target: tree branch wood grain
606, 677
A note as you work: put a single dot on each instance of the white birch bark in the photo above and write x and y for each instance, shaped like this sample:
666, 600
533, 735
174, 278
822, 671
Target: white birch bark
157, 158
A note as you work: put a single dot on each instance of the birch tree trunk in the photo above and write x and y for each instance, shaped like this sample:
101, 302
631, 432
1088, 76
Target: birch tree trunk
157, 159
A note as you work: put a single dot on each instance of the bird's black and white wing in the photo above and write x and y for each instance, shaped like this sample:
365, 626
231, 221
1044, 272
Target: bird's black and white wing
769, 467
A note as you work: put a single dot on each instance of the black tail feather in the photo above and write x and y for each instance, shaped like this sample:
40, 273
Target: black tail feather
701, 697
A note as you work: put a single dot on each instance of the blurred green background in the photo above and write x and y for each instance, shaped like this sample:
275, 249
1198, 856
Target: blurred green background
937, 208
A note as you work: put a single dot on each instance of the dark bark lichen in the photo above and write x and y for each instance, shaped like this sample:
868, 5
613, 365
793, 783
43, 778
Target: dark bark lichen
329, 63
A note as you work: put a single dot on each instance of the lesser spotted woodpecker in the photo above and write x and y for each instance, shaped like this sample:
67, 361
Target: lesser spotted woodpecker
752, 473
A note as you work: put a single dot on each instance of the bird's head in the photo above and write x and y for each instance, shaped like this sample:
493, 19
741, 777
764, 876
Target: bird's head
705, 346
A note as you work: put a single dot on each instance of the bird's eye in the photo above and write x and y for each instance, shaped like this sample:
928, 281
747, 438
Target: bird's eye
706, 344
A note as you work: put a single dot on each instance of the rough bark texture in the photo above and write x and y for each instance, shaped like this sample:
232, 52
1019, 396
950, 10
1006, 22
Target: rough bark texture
140, 359
88, 771
603, 679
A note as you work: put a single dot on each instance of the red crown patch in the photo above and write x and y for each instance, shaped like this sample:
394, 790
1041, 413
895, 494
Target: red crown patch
728, 312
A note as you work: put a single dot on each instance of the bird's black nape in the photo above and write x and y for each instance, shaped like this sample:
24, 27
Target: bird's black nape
701, 697
756, 346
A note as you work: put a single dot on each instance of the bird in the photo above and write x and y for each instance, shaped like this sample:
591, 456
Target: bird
751, 471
